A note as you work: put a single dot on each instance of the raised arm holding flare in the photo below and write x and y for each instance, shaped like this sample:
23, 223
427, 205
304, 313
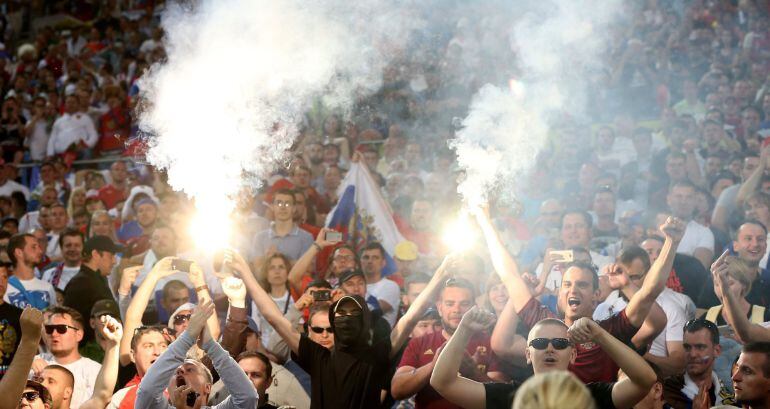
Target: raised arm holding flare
142, 297
505, 266
577, 297
146, 292
273, 315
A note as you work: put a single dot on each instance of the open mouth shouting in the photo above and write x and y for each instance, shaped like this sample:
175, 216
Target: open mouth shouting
573, 302
550, 360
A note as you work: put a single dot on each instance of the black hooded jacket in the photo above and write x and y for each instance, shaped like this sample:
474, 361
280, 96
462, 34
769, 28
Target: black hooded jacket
353, 373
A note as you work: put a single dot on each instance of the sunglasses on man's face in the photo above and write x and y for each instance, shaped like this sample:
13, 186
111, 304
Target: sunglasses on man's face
180, 319
320, 330
30, 396
60, 328
542, 343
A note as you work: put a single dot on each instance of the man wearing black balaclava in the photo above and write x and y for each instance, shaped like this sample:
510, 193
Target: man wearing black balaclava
353, 373
351, 319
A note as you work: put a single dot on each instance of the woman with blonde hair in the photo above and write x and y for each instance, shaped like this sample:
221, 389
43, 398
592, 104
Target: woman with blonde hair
101, 224
77, 200
553, 390
740, 276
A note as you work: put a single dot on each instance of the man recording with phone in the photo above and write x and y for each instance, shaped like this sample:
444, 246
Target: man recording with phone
575, 233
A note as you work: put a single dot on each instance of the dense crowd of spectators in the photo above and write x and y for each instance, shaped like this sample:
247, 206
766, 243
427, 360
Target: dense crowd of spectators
630, 271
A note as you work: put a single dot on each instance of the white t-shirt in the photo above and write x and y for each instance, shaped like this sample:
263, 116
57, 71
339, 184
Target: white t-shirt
66, 275
37, 142
285, 304
29, 221
763, 262
53, 250
11, 186
85, 372
678, 308
36, 288
696, 236
387, 291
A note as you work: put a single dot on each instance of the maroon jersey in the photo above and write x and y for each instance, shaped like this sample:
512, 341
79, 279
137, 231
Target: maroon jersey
592, 363
421, 351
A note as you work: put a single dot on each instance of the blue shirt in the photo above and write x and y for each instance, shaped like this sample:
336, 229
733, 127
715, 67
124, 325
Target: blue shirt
292, 245
129, 230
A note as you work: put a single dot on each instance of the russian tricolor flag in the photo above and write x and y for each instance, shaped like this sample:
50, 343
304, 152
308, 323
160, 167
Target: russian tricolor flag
363, 215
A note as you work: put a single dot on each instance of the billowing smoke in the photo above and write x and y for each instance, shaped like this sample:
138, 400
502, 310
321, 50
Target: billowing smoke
558, 45
225, 106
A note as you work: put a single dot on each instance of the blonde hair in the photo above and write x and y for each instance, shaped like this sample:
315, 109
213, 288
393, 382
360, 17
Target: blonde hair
71, 210
553, 390
740, 271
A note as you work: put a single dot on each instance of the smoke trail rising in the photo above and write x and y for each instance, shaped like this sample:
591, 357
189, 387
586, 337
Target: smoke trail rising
225, 106
557, 44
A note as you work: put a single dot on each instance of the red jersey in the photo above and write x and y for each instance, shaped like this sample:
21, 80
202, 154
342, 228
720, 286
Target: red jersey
592, 363
427, 242
110, 196
114, 129
421, 351
397, 278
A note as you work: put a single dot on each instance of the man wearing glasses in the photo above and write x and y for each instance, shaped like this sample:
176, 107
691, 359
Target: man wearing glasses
283, 235
699, 384
35, 396
577, 298
63, 331
550, 347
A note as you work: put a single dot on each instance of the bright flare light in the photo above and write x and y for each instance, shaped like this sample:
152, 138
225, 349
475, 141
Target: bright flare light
459, 235
211, 226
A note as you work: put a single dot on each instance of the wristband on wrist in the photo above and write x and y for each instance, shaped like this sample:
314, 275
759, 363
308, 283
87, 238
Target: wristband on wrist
317, 246
203, 287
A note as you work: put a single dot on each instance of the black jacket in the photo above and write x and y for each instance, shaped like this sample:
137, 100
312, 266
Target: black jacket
86, 288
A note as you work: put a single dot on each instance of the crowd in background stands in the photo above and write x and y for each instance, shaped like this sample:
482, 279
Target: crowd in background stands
630, 271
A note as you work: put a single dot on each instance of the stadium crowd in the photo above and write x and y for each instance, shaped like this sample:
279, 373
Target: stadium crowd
631, 271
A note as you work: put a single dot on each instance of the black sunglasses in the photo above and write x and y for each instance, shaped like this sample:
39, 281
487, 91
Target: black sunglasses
30, 396
542, 343
181, 318
60, 328
319, 330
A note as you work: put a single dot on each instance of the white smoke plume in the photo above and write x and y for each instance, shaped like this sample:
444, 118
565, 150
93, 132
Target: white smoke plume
557, 44
225, 106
